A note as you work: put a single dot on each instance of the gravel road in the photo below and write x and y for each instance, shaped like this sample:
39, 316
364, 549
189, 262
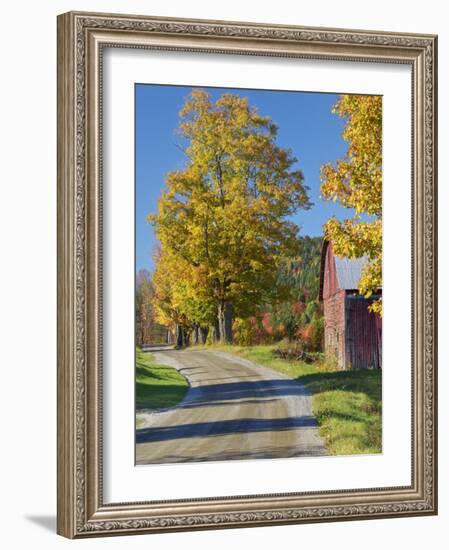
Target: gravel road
234, 409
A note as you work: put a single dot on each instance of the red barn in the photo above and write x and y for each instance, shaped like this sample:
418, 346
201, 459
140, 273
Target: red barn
351, 332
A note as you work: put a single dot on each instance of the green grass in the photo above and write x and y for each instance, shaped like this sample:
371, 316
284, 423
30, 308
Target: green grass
157, 386
347, 404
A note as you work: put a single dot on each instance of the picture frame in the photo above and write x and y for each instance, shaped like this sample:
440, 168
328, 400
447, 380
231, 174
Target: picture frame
82, 40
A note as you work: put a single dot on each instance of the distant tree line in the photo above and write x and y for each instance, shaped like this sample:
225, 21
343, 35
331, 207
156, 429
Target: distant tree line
148, 330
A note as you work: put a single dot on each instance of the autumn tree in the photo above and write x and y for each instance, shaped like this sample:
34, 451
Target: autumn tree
148, 329
356, 182
181, 298
223, 219
144, 295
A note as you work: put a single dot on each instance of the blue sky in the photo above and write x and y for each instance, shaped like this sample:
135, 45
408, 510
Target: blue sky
306, 125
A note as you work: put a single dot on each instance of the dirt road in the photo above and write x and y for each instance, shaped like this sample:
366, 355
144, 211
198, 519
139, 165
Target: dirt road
233, 409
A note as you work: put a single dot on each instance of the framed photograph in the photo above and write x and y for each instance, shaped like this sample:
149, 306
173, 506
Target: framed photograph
247, 250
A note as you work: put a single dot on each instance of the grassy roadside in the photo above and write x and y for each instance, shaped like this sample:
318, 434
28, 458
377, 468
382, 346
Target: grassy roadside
157, 386
347, 404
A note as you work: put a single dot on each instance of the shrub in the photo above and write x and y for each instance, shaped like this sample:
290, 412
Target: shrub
317, 333
243, 331
310, 336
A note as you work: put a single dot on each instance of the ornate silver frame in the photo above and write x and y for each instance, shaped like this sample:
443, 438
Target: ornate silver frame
81, 38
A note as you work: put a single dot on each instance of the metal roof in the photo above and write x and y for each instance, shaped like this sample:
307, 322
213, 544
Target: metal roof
349, 271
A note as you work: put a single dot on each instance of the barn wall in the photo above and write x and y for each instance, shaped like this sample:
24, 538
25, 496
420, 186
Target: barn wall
330, 284
363, 334
334, 326
351, 332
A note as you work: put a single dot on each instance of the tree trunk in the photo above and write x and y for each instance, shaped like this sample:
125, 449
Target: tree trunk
220, 320
204, 331
195, 335
179, 337
225, 313
215, 331
228, 316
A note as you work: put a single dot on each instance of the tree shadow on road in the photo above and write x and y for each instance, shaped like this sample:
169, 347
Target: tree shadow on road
209, 395
224, 427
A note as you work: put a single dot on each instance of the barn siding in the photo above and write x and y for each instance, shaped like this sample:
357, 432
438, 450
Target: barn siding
351, 332
330, 283
334, 326
334, 311
363, 334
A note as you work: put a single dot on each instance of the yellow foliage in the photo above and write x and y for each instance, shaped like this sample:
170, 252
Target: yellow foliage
356, 183
222, 219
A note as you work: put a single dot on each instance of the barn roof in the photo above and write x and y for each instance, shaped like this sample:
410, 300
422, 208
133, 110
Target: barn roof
348, 270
